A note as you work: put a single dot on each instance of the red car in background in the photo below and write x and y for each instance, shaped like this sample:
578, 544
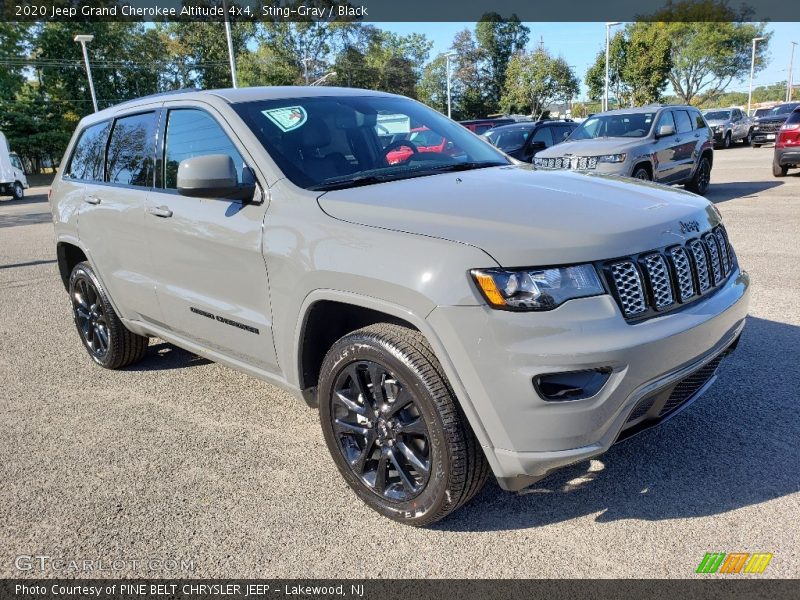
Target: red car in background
424, 140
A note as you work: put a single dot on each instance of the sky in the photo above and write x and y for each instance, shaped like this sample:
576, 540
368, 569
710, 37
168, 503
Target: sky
579, 44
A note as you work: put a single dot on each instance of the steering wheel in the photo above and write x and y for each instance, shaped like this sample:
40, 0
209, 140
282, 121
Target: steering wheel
399, 144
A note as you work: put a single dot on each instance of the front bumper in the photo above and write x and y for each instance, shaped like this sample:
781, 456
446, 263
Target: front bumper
497, 354
764, 137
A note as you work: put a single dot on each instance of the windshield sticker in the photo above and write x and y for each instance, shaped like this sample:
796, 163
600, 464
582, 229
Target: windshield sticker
288, 118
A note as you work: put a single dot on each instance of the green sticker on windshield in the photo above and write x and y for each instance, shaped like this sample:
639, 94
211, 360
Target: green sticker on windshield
288, 118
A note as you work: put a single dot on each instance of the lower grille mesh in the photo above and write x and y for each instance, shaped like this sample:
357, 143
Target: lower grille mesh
689, 386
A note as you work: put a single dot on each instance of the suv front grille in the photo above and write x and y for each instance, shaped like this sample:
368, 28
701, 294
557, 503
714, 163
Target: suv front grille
665, 279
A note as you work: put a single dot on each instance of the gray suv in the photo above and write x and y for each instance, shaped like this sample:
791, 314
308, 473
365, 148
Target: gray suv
729, 125
666, 144
451, 314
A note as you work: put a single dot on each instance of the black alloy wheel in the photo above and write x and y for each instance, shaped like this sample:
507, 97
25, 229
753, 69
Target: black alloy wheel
380, 431
642, 174
702, 178
90, 317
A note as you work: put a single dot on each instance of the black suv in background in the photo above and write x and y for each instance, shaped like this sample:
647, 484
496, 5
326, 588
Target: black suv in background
523, 140
765, 130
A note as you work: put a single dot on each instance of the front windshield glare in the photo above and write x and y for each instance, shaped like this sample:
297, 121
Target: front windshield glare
334, 142
631, 125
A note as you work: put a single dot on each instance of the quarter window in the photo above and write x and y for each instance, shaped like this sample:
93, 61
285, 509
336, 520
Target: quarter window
86, 163
192, 132
683, 121
699, 122
130, 151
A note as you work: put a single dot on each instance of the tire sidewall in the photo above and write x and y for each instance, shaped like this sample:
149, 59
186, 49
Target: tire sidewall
435, 494
640, 170
17, 191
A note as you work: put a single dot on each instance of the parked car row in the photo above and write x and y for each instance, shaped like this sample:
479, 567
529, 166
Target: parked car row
729, 125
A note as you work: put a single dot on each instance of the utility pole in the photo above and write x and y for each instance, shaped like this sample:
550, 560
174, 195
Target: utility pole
305, 68
608, 50
230, 44
449, 98
790, 79
83, 39
752, 70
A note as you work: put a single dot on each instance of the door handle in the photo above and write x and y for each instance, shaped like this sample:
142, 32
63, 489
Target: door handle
160, 211
92, 200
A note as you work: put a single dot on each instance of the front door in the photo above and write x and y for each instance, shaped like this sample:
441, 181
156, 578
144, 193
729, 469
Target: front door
212, 279
666, 149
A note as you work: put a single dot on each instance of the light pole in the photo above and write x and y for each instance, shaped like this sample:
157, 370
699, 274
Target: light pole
789, 81
449, 98
608, 49
83, 39
230, 44
305, 68
322, 79
752, 70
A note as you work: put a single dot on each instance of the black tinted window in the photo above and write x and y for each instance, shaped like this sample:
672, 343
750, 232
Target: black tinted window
192, 132
699, 122
130, 151
87, 158
794, 118
683, 121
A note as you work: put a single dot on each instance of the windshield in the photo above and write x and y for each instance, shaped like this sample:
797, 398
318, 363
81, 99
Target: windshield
614, 125
783, 109
760, 112
508, 139
717, 115
336, 142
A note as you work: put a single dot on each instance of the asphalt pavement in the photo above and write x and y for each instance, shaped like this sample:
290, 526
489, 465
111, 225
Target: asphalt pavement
182, 467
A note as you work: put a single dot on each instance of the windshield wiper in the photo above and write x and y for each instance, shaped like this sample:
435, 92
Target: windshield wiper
352, 182
466, 166
372, 179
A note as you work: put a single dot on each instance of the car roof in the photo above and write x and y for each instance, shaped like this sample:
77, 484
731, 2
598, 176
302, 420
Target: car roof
643, 109
236, 95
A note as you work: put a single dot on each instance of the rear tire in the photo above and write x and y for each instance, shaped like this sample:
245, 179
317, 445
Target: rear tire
778, 170
394, 428
701, 178
110, 344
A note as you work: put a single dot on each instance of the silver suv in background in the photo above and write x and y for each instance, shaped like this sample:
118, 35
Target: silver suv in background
450, 314
666, 144
729, 125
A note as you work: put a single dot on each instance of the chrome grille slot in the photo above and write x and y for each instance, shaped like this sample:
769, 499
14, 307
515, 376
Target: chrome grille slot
683, 271
663, 279
660, 284
629, 288
713, 252
701, 264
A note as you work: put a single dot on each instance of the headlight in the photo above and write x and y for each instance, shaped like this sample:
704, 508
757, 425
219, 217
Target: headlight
536, 289
611, 158
756, 127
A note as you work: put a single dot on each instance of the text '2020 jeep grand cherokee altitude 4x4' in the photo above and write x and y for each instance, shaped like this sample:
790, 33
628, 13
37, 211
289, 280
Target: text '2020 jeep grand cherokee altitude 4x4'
451, 315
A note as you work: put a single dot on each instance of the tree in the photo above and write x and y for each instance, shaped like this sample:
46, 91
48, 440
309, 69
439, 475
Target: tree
707, 55
432, 88
536, 80
596, 75
499, 40
12, 52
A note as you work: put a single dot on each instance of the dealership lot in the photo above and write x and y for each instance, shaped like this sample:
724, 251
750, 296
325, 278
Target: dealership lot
179, 459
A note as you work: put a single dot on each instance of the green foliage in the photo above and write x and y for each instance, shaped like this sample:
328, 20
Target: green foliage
499, 40
536, 80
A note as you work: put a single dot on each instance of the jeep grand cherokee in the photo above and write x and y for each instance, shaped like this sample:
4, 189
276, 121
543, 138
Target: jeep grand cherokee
451, 315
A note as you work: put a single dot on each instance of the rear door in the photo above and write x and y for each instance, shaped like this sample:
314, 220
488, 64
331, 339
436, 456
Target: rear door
111, 217
686, 148
207, 253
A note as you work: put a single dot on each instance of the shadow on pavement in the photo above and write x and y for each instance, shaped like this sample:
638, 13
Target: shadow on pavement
722, 192
25, 219
164, 356
735, 447
31, 263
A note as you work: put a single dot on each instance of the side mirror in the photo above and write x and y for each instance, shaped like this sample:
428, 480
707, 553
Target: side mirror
535, 147
665, 130
213, 176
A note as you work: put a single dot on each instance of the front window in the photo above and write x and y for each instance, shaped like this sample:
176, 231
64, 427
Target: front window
617, 125
718, 115
337, 142
508, 139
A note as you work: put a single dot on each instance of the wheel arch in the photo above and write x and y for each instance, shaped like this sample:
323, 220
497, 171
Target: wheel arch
68, 255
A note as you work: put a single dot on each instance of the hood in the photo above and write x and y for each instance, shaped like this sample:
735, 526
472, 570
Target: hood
775, 119
594, 147
524, 217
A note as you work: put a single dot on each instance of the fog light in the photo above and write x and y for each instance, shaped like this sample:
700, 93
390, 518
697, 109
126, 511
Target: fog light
571, 385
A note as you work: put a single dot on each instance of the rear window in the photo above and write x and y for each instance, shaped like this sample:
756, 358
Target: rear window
682, 120
699, 123
86, 163
130, 151
794, 118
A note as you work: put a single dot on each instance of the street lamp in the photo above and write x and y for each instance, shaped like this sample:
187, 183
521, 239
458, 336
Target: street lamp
608, 47
789, 81
322, 79
305, 67
230, 44
752, 70
83, 39
447, 56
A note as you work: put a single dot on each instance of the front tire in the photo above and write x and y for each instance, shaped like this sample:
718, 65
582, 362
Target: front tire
748, 139
642, 173
701, 178
754, 145
110, 344
726, 142
394, 428
17, 191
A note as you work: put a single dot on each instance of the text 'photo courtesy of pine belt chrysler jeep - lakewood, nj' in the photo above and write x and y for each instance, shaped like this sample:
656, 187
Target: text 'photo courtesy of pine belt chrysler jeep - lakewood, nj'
452, 315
